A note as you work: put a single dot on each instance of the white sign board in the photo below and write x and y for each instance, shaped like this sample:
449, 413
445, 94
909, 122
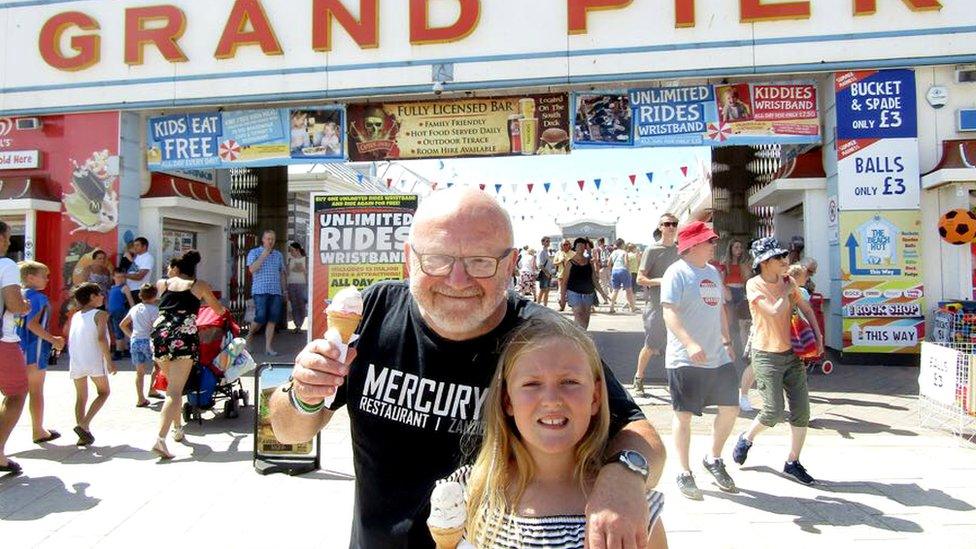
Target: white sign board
884, 175
833, 220
938, 372
19, 160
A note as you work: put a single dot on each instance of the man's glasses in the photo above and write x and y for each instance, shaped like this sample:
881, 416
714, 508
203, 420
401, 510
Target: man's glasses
671, 224
477, 266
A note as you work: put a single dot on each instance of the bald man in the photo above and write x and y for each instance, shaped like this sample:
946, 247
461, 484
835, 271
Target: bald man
416, 381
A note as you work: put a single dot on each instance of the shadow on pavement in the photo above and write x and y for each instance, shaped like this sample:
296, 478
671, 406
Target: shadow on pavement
820, 511
48, 493
909, 495
206, 454
87, 455
848, 425
814, 399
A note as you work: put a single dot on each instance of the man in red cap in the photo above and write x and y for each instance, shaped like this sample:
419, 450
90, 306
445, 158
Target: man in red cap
698, 357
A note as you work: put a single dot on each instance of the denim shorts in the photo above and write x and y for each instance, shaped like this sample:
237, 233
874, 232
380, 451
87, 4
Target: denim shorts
620, 279
576, 299
114, 320
267, 308
141, 352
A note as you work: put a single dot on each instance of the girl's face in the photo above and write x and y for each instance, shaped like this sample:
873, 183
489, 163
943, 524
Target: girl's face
172, 271
778, 265
552, 395
736, 249
96, 300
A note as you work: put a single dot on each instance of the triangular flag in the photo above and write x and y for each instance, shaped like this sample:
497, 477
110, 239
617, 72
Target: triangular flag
684, 170
449, 185
389, 182
498, 189
650, 177
633, 179
563, 186
530, 185
359, 177
481, 186
597, 183
433, 185
581, 184
546, 186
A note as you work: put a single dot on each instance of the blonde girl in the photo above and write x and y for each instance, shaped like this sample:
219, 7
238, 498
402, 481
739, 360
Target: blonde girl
547, 424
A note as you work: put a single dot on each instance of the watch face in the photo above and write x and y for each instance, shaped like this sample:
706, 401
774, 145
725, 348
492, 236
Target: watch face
634, 458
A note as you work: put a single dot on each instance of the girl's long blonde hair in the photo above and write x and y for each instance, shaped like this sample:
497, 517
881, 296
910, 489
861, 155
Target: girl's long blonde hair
503, 467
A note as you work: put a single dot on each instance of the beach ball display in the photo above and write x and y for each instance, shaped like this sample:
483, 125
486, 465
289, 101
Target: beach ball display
958, 226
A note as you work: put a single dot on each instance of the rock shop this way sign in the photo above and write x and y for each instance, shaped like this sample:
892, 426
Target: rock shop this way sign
125, 54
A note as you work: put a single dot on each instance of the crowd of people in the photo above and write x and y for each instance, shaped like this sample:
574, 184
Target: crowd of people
535, 427
117, 313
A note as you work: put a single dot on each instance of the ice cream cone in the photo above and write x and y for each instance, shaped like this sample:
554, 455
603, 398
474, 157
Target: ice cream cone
447, 538
344, 323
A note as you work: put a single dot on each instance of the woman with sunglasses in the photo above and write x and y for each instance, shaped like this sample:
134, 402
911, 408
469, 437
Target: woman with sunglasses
772, 295
580, 283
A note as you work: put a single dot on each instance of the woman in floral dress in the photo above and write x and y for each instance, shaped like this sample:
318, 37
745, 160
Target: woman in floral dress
174, 337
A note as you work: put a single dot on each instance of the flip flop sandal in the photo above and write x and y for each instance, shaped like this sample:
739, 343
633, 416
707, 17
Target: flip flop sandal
11, 467
143, 404
160, 450
52, 435
85, 438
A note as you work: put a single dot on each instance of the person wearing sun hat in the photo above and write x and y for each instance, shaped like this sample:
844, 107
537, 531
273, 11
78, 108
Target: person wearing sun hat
698, 357
772, 295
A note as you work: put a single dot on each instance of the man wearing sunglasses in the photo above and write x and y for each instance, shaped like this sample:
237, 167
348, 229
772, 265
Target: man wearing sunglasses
416, 380
657, 258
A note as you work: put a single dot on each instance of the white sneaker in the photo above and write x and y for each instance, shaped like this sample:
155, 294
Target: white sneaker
744, 404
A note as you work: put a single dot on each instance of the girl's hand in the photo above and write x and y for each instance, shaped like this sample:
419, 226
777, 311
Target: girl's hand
111, 367
58, 343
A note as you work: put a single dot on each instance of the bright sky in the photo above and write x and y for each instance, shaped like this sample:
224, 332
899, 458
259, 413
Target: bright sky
633, 207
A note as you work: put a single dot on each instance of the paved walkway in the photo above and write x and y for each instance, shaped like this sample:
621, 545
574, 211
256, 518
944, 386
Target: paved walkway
884, 481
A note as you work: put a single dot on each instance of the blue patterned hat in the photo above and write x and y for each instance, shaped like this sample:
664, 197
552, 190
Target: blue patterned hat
766, 248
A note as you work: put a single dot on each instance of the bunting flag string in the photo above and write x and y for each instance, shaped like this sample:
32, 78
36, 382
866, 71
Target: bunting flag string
597, 183
530, 187
684, 171
581, 183
389, 182
633, 179
650, 177
546, 186
498, 188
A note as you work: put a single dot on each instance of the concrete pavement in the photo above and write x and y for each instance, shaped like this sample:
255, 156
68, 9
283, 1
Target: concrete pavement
884, 481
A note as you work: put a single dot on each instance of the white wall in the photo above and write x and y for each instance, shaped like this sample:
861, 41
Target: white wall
938, 125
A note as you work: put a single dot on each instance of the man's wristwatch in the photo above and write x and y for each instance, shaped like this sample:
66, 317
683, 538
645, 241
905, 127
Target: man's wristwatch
632, 460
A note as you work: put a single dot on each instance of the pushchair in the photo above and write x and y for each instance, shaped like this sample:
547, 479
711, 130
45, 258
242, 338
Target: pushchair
208, 381
820, 363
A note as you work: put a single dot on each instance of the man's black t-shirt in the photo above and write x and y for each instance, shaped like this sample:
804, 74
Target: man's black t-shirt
412, 397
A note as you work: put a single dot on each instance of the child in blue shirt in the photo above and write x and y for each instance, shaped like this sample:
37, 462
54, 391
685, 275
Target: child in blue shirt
36, 343
117, 304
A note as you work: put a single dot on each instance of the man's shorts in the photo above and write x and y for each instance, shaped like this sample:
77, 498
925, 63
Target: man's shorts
141, 352
13, 370
114, 323
655, 332
620, 279
693, 388
546, 282
267, 308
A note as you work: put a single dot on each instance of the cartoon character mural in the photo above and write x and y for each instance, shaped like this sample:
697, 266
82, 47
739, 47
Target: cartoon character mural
93, 202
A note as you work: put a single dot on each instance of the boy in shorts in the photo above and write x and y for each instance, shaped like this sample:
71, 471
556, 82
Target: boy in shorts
137, 325
117, 303
698, 357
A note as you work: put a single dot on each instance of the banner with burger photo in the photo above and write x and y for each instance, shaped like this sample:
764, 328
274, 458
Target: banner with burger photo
492, 126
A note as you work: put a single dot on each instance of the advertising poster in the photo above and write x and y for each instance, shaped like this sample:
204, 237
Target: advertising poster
491, 126
357, 240
602, 120
733, 114
880, 264
876, 104
236, 139
878, 174
883, 335
270, 379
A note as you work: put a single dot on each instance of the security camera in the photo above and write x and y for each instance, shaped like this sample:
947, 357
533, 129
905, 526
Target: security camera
438, 88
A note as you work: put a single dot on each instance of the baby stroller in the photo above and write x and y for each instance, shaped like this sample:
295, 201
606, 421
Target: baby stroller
208, 381
819, 363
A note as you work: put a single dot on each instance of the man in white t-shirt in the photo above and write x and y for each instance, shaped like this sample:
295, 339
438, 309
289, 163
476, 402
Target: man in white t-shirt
140, 272
13, 366
698, 357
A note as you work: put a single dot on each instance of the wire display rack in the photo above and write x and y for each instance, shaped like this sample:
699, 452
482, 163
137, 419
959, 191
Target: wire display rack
947, 376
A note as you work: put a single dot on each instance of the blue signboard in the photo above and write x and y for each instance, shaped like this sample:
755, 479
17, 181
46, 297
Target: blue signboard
673, 116
252, 138
967, 120
876, 104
